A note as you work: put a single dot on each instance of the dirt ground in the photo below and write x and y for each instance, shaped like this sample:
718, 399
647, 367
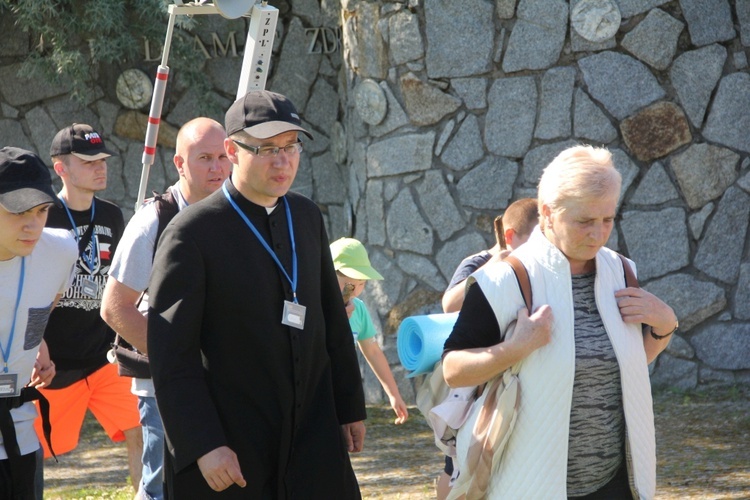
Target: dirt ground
703, 452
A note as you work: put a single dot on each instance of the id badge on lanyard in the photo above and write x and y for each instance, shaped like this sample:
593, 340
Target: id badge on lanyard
294, 312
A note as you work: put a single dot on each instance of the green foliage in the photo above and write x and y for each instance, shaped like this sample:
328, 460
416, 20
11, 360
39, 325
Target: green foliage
77, 39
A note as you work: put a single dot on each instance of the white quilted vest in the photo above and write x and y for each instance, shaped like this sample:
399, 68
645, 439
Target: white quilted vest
534, 465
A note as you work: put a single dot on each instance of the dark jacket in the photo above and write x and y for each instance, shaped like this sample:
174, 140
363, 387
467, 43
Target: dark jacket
227, 372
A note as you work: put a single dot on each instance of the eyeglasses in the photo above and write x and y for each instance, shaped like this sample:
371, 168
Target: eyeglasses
271, 151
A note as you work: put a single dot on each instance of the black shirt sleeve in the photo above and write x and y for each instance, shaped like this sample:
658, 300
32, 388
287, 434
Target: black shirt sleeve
476, 325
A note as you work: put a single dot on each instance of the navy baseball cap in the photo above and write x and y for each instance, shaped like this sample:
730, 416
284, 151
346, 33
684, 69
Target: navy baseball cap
25, 181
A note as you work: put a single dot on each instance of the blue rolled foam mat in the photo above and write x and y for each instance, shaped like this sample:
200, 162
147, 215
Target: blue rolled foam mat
420, 341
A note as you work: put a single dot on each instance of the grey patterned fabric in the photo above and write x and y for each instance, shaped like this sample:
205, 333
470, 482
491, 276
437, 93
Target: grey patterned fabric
597, 423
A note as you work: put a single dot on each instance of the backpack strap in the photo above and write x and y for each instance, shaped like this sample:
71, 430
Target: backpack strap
522, 276
630, 280
166, 209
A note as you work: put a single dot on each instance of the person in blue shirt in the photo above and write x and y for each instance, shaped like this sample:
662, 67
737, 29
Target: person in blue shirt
353, 270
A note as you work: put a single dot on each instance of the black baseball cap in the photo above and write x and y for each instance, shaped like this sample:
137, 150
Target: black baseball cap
263, 114
80, 140
24, 181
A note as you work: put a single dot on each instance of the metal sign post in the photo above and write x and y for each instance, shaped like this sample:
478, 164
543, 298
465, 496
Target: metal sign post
255, 63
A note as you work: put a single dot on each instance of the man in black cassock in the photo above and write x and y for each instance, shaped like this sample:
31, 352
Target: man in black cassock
252, 357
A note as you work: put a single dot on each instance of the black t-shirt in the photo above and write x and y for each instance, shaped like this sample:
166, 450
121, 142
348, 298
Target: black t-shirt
476, 325
77, 336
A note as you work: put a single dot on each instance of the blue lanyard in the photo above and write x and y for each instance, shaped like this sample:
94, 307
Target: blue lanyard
6, 351
91, 258
293, 279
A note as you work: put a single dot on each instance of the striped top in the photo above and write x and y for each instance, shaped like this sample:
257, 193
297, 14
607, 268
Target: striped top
597, 423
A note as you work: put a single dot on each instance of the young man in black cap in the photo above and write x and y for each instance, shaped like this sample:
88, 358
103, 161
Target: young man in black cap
78, 338
35, 269
251, 352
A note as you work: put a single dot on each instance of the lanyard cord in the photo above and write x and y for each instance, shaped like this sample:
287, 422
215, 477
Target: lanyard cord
91, 258
293, 279
6, 351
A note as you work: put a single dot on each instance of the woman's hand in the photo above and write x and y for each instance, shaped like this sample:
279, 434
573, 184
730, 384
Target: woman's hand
639, 306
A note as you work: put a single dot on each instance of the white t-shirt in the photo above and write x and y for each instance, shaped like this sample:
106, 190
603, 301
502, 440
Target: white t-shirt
48, 271
134, 259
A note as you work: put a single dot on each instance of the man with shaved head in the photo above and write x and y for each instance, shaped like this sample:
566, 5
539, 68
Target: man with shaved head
203, 165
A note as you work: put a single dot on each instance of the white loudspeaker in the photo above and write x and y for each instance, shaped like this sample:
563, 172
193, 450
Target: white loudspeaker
232, 9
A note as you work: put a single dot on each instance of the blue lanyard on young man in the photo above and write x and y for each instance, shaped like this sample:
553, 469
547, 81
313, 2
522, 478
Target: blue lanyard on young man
293, 279
90, 260
6, 350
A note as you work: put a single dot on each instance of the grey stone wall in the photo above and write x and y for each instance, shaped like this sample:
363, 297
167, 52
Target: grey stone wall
454, 108
431, 116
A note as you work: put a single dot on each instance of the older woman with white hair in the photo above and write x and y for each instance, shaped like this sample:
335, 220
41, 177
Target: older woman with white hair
585, 425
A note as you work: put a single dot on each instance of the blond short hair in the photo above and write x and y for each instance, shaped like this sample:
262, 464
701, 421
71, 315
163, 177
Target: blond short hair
578, 173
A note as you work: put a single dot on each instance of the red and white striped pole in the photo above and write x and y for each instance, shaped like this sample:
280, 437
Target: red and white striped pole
255, 63
154, 115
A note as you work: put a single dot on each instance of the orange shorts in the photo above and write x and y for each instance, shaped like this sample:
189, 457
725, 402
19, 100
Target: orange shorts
103, 392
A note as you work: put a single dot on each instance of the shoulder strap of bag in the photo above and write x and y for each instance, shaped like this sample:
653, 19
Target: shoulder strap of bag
522, 276
630, 279
166, 209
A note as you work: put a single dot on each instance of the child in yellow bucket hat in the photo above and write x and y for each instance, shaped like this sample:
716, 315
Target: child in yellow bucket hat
353, 269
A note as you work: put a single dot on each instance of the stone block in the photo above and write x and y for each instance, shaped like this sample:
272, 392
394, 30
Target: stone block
296, 70
728, 119
425, 104
328, 181
709, 21
628, 170
505, 9
674, 373
656, 131
132, 125
590, 122
622, 84
422, 269
395, 115
630, 8
538, 35
13, 135
466, 147
401, 154
406, 228
488, 185
438, 205
655, 188
19, 91
473, 91
680, 348
511, 117
538, 158
742, 293
724, 346
720, 250
455, 29
697, 220
556, 100
453, 252
693, 300
405, 39
656, 241
654, 40
42, 130
694, 75
704, 172
742, 7
375, 212
322, 109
